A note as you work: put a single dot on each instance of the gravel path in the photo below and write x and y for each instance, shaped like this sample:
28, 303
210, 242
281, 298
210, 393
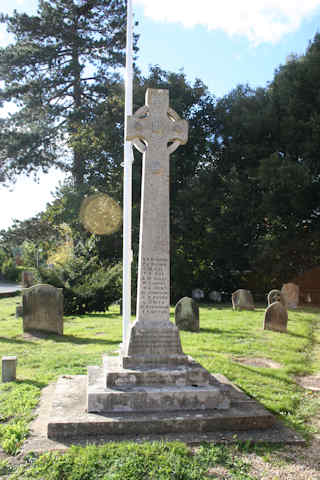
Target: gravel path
290, 463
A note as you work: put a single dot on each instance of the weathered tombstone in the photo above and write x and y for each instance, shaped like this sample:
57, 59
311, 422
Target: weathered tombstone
290, 292
43, 309
27, 278
197, 294
9, 369
215, 296
186, 315
242, 300
276, 317
308, 298
276, 296
19, 310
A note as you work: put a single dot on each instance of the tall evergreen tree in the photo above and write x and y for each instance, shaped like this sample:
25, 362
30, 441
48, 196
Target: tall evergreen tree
61, 72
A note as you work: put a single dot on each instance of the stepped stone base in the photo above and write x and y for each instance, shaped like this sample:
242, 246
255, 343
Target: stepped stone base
113, 389
69, 418
187, 373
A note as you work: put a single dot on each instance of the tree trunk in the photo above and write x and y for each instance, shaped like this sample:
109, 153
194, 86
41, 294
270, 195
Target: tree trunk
78, 166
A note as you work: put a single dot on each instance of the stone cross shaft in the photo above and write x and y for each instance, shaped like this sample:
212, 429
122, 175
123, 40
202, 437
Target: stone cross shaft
156, 130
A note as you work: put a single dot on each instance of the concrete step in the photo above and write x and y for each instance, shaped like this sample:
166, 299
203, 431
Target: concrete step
69, 418
155, 398
192, 374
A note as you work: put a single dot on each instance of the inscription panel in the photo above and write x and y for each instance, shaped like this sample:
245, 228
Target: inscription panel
154, 288
155, 342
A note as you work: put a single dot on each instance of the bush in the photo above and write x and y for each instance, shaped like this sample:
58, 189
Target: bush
3, 257
10, 271
88, 286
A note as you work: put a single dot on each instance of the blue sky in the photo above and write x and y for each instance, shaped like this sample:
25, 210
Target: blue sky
222, 43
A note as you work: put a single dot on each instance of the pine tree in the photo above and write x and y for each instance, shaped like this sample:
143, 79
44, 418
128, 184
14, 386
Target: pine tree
61, 72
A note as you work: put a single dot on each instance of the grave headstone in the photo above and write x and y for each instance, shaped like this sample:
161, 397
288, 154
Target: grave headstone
291, 291
27, 278
197, 294
276, 317
308, 298
9, 369
43, 309
276, 296
215, 296
186, 315
242, 300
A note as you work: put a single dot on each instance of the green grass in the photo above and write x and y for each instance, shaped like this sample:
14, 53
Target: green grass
42, 360
224, 337
131, 461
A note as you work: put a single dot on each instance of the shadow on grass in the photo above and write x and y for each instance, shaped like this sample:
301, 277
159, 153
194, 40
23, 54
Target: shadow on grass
33, 383
82, 340
294, 334
240, 334
264, 373
100, 315
15, 340
216, 331
42, 335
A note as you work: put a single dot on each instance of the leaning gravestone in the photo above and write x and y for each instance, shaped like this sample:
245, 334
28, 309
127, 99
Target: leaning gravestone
215, 296
43, 309
27, 278
152, 387
290, 292
242, 300
276, 317
276, 296
197, 294
186, 315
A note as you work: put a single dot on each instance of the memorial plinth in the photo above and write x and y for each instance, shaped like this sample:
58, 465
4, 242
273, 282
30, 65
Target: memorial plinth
156, 130
152, 373
152, 386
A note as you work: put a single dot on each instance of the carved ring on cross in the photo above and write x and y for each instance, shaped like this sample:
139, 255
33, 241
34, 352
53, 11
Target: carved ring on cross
143, 112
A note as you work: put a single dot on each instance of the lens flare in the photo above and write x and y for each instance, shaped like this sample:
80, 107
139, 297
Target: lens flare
100, 214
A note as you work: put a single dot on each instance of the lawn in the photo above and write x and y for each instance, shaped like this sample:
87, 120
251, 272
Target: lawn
225, 337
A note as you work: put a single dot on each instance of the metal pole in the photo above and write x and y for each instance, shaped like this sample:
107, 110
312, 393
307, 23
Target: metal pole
127, 184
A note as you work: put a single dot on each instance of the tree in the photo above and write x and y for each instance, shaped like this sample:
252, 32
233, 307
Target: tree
289, 178
89, 285
191, 101
296, 103
194, 103
36, 230
267, 214
62, 74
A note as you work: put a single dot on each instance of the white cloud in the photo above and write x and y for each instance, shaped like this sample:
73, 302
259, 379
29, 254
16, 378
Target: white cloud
258, 20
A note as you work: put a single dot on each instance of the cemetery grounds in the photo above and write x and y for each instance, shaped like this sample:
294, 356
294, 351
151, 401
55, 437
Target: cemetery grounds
267, 365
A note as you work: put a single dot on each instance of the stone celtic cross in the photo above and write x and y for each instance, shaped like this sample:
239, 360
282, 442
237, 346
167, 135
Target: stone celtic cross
156, 130
155, 125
